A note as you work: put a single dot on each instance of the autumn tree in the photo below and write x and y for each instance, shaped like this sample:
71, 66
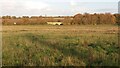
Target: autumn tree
117, 17
6, 17
13, 17
25, 20
77, 19
67, 21
86, 19
94, 19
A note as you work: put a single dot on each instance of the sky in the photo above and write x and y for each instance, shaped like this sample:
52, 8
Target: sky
56, 7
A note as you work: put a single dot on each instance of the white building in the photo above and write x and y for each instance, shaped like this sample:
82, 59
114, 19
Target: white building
55, 23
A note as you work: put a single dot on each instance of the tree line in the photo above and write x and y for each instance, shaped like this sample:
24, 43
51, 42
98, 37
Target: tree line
78, 19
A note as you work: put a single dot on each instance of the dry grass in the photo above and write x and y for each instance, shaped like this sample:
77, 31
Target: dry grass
46, 45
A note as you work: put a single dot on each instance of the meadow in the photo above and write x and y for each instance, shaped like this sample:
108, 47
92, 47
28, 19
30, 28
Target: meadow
48, 45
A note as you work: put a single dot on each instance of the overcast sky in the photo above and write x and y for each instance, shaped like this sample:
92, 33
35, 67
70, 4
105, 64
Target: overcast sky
56, 7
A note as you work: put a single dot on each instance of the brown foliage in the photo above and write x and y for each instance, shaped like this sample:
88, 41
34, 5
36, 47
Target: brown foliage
78, 19
67, 21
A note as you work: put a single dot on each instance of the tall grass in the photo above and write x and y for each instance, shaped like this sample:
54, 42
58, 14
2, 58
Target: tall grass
56, 46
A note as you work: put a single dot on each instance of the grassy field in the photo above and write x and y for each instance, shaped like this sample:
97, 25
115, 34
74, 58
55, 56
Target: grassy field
47, 45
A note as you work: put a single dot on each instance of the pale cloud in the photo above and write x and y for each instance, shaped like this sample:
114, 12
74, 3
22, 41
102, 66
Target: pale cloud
20, 7
82, 0
107, 10
73, 3
78, 7
7, 4
10, 4
10, 7
54, 7
35, 5
81, 10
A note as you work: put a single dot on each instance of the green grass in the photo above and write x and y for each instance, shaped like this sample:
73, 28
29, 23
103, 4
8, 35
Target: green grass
60, 45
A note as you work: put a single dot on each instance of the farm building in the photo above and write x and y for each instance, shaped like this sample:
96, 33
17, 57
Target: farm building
55, 23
